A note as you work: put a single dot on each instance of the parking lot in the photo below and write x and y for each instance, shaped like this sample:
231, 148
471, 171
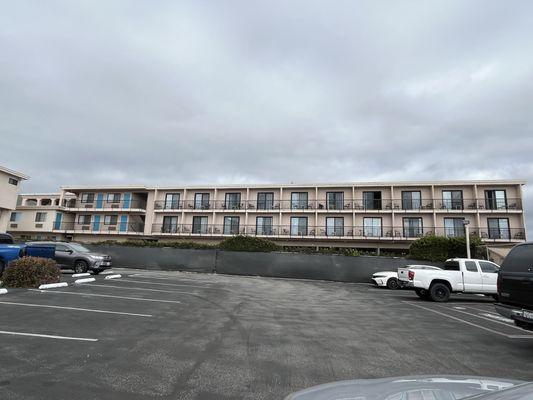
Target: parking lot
174, 335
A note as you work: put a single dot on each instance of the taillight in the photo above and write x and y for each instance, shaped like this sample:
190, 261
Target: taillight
411, 275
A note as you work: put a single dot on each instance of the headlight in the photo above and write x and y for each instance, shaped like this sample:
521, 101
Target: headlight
97, 257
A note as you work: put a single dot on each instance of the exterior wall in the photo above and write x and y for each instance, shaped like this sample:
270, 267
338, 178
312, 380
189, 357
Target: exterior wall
146, 218
8, 194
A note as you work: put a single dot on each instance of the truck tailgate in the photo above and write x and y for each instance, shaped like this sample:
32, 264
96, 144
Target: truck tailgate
403, 274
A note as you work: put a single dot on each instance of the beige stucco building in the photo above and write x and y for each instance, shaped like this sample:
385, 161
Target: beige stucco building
9, 188
361, 215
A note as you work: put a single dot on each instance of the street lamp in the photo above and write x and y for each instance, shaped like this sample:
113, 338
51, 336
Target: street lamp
467, 233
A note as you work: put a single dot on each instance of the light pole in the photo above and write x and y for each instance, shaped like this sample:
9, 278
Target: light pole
467, 233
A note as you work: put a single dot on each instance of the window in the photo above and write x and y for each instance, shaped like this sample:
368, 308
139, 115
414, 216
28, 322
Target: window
299, 226
199, 224
233, 201
40, 217
14, 217
335, 200
412, 227
335, 226
61, 247
489, 267
13, 181
110, 219
231, 225
299, 200
265, 201
452, 199
451, 266
201, 201
170, 224
46, 202
84, 219
411, 200
263, 225
454, 227
372, 200
87, 197
172, 201
30, 202
113, 197
471, 266
372, 227
519, 259
495, 199
499, 228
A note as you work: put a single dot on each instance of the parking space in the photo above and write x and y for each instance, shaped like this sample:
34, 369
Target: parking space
154, 334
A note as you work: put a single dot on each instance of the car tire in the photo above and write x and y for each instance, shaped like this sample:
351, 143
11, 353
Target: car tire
393, 284
439, 292
422, 293
80, 267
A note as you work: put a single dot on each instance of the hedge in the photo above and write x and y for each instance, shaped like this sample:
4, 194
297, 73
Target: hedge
437, 248
31, 272
248, 243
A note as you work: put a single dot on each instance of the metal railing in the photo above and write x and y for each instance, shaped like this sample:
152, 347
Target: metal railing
100, 227
104, 204
361, 232
438, 205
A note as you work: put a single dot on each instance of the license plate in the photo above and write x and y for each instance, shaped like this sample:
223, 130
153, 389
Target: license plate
527, 314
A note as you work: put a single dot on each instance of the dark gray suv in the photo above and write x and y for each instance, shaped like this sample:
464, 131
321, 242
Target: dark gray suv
70, 255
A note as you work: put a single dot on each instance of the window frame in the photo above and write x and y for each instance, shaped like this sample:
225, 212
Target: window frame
373, 227
300, 204
411, 200
299, 230
232, 226
79, 219
338, 204
420, 228
110, 222
268, 204
200, 225
84, 197
13, 181
260, 229
38, 214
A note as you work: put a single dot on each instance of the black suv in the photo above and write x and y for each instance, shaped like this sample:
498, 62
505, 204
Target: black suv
515, 286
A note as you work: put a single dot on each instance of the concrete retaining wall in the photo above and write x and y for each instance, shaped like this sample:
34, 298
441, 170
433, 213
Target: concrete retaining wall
283, 265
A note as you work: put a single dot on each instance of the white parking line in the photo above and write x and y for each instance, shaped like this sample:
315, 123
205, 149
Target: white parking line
75, 309
485, 318
107, 295
469, 323
137, 288
48, 336
498, 317
167, 284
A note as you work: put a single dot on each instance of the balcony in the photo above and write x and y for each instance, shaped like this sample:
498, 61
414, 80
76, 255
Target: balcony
121, 228
102, 205
397, 233
357, 205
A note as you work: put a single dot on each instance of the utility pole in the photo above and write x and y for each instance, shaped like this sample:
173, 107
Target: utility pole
467, 233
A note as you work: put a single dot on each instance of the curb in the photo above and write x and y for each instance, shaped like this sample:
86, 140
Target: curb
84, 280
53, 285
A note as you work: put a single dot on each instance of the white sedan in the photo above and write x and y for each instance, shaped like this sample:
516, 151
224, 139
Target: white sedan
386, 278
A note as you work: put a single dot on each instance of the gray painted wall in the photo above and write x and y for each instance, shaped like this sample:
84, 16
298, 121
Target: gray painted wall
283, 265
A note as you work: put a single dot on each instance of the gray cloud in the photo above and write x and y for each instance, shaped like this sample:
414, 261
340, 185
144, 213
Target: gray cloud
240, 91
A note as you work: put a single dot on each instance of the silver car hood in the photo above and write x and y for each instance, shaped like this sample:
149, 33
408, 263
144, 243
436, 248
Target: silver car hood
423, 387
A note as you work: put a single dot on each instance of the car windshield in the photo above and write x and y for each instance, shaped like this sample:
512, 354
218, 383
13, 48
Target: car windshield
79, 248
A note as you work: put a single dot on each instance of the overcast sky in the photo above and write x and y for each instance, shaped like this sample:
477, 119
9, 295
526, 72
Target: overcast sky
177, 92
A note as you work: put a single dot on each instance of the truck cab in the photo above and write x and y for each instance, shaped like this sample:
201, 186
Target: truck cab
9, 250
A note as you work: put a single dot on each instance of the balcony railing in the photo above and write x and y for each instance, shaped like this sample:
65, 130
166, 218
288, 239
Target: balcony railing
357, 205
100, 227
103, 204
357, 232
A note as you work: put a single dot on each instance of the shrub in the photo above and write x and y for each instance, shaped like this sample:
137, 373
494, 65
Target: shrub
248, 243
437, 248
31, 272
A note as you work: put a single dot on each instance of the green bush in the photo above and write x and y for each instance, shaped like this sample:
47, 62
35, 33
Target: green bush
438, 248
248, 243
31, 272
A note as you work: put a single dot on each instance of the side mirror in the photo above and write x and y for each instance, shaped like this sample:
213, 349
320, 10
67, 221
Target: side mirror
69, 251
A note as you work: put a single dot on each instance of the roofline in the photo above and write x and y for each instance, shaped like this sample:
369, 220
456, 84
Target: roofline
14, 173
40, 194
275, 185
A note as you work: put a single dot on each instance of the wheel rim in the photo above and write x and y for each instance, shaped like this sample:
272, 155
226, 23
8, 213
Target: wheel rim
393, 284
440, 293
79, 267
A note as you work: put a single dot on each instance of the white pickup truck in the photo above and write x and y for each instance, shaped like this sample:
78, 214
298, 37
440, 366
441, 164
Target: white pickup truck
458, 275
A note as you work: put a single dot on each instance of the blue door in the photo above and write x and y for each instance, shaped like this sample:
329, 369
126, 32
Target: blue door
127, 200
96, 223
123, 223
57, 222
99, 200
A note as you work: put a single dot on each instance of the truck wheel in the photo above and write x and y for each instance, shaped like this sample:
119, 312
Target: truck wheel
495, 297
393, 284
422, 293
439, 292
80, 267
